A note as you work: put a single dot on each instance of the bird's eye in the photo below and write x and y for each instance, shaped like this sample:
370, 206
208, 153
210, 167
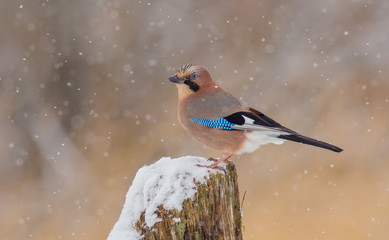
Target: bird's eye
194, 76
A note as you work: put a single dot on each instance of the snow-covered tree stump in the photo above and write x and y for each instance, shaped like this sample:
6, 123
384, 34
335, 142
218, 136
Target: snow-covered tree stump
181, 199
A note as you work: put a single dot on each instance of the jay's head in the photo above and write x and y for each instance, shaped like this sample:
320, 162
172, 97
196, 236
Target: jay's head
192, 79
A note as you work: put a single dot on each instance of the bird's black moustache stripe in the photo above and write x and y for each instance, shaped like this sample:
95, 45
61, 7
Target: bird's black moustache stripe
192, 85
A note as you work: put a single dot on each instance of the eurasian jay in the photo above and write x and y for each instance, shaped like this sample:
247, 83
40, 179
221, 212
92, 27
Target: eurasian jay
217, 119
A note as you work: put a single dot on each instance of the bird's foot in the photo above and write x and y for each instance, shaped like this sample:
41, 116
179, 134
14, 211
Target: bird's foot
213, 167
215, 164
212, 159
216, 161
229, 162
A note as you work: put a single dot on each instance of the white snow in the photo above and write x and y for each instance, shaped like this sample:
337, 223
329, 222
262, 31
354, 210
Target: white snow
167, 182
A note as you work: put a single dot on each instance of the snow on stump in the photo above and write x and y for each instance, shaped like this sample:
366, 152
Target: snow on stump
181, 199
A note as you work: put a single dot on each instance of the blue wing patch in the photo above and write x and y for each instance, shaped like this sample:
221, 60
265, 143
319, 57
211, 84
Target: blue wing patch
220, 123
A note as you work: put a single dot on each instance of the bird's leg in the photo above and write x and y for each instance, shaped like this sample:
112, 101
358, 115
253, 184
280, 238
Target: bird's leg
225, 157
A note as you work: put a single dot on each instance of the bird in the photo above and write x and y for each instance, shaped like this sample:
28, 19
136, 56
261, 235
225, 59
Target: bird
217, 119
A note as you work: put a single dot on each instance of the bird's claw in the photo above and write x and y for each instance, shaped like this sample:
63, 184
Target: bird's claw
226, 161
229, 162
213, 167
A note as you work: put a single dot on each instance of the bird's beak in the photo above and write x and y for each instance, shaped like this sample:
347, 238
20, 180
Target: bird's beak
175, 79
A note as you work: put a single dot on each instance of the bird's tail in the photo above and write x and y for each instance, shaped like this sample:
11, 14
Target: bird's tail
307, 140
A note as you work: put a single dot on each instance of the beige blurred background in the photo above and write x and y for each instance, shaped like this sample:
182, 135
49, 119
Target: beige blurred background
85, 102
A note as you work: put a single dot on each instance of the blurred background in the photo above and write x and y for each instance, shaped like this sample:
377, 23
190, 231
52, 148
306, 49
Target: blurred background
85, 102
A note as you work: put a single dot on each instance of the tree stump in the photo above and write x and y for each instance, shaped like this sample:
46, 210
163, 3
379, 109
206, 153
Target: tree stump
211, 212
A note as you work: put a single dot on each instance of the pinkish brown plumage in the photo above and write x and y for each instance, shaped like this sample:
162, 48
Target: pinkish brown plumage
217, 119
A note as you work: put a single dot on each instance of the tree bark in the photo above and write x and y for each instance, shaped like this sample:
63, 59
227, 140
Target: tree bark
213, 214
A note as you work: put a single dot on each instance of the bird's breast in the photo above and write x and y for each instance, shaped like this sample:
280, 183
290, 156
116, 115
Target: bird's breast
219, 139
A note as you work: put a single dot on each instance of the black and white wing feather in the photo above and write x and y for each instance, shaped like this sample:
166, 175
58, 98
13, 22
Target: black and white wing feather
251, 121
257, 121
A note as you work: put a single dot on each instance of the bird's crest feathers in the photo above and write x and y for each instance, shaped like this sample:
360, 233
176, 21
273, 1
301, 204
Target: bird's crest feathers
182, 70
